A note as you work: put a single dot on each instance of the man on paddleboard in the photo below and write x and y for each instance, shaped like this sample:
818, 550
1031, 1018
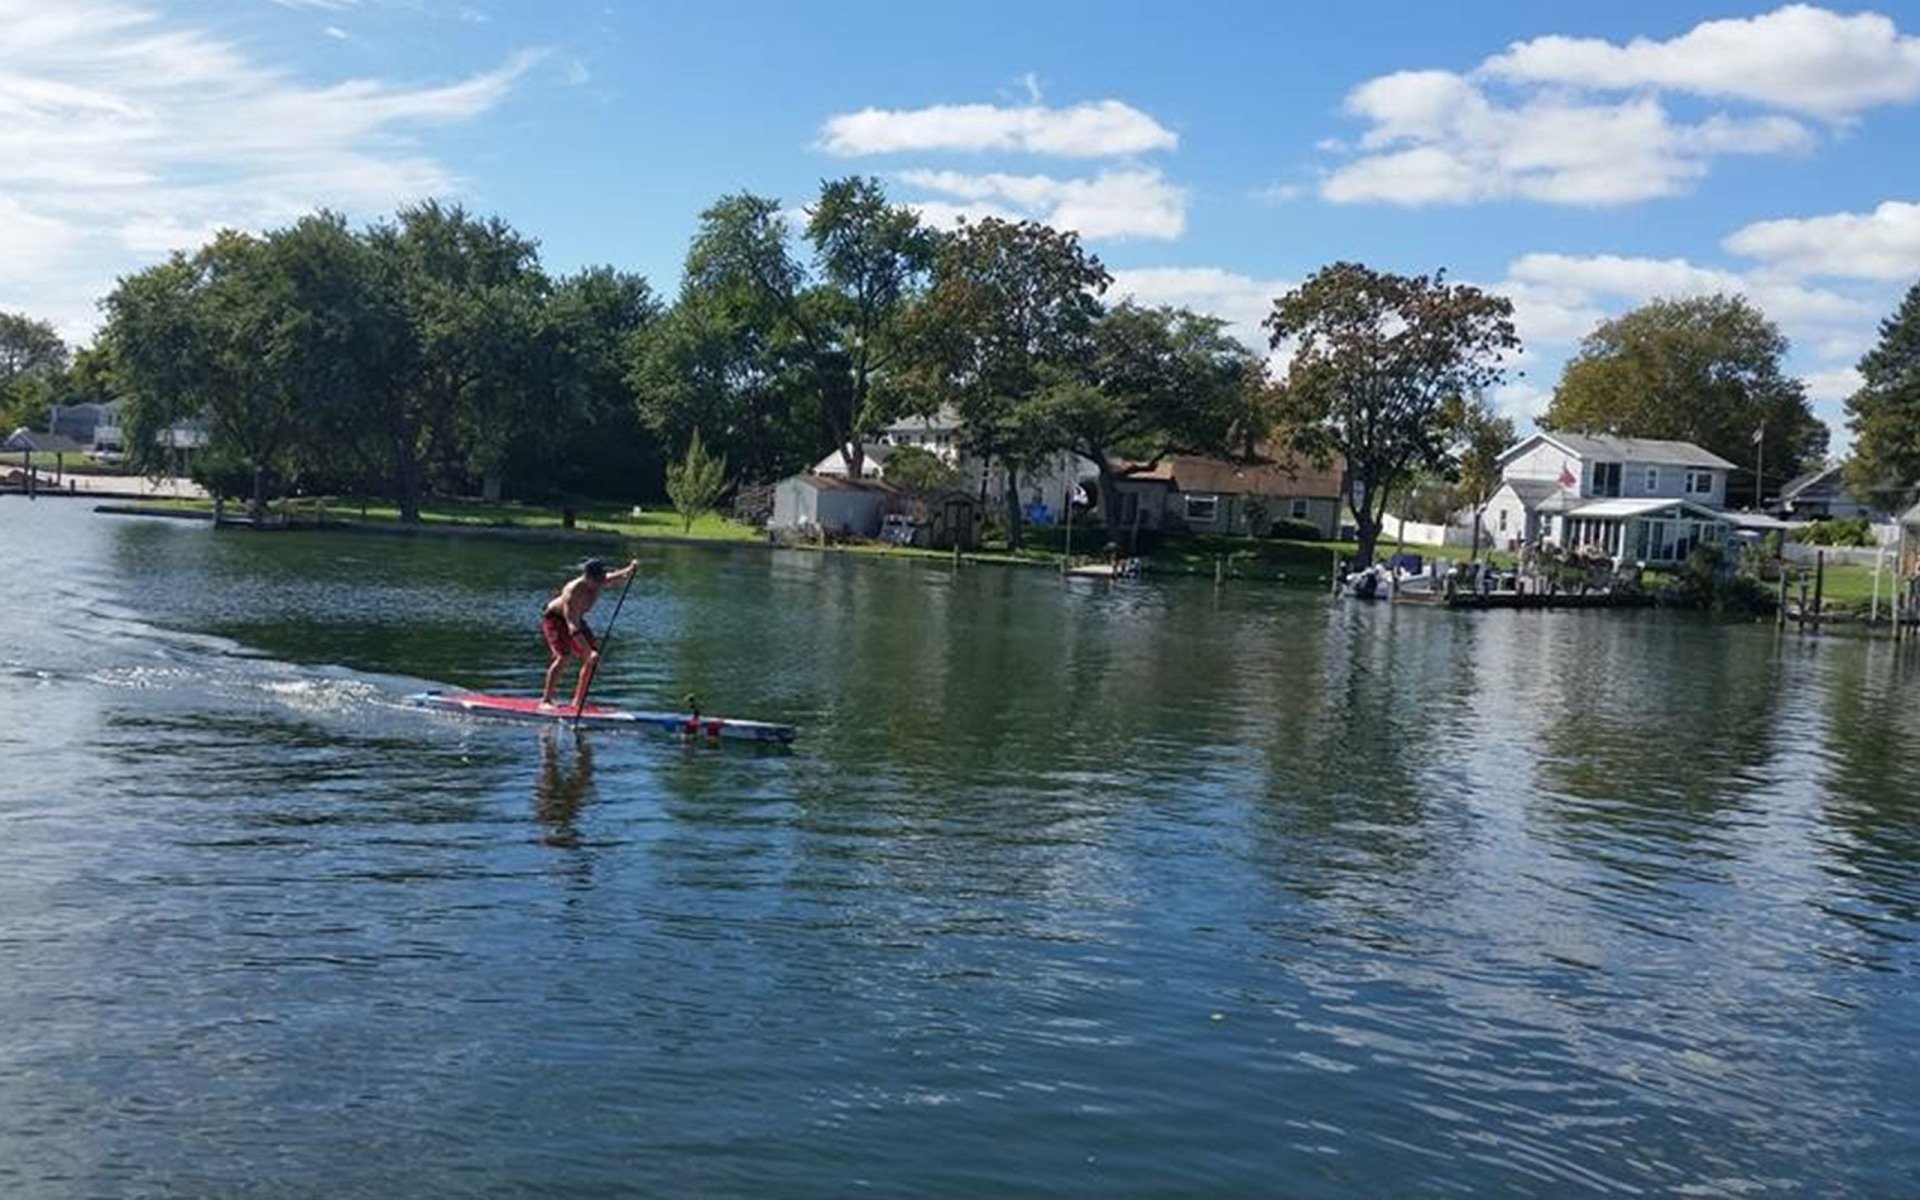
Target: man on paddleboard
564, 624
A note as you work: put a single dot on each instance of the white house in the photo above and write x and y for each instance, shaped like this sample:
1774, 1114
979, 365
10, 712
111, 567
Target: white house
939, 435
1638, 499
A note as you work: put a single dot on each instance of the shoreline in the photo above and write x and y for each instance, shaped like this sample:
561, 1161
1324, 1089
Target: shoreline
1054, 562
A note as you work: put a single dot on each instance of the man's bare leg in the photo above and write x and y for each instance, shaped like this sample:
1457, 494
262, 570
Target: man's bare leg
587, 667
553, 677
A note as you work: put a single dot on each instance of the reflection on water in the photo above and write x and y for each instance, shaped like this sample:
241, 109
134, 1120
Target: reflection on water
566, 782
1067, 887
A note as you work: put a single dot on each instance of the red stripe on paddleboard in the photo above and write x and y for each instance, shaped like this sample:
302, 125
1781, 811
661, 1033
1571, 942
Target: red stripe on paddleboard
528, 705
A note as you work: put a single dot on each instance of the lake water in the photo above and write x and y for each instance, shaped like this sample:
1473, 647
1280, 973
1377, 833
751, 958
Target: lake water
1066, 889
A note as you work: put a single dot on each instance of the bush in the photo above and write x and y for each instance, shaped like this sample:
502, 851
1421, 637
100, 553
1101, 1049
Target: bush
1837, 531
1706, 581
920, 470
1291, 529
1259, 513
223, 473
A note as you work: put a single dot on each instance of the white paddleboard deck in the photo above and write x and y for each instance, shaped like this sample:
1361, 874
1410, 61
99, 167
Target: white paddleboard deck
528, 708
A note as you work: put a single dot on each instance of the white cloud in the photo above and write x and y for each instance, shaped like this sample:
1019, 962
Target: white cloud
1832, 385
1799, 57
1600, 277
1438, 137
1100, 129
1112, 204
1559, 298
943, 214
1883, 244
1522, 402
124, 135
1583, 121
1242, 301
1280, 193
336, 33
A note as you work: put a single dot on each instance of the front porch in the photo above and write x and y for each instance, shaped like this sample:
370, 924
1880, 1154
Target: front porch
1652, 531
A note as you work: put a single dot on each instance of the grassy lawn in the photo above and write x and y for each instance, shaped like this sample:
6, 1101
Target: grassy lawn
610, 519
75, 464
1848, 586
651, 523
1243, 557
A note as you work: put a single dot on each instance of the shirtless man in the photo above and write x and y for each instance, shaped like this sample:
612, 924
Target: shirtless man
564, 624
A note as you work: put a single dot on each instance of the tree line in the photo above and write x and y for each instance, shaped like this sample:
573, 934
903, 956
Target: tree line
431, 353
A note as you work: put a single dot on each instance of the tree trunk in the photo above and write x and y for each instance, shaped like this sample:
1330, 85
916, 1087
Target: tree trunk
406, 478
259, 508
854, 455
1366, 524
1109, 498
1013, 507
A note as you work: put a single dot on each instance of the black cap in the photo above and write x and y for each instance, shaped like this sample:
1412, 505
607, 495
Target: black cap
593, 568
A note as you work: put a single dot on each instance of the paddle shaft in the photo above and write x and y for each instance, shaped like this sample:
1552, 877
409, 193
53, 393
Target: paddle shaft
605, 641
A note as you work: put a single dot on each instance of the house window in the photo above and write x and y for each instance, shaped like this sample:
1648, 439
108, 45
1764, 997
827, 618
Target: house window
1606, 479
1699, 483
1653, 479
1202, 510
1298, 509
1503, 520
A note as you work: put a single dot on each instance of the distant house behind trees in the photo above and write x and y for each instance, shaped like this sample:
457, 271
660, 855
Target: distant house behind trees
1189, 493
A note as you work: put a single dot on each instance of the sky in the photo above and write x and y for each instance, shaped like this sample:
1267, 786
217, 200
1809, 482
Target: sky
1579, 159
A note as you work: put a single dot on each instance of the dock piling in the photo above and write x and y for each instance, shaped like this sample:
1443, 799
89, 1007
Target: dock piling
1819, 585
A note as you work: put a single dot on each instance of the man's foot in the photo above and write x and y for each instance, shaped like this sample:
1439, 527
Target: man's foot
549, 706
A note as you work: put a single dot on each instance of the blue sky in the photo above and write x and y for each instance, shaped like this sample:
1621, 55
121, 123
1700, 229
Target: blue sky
1581, 160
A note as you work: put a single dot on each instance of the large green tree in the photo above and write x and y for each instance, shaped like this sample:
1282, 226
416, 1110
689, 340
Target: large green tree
1885, 413
1377, 362
1705, 370
32, 360
199, 336
466, 388
29, 347
341, 340
708, 363
594, 440
1155, 381
1010, 318
833, 324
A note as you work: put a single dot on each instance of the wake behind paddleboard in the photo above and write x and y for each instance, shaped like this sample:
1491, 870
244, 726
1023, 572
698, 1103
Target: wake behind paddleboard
527, 708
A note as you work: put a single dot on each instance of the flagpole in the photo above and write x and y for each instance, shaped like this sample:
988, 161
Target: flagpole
1760, 468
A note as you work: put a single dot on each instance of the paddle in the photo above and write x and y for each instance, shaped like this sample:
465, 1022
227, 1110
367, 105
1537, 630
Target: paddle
606, 639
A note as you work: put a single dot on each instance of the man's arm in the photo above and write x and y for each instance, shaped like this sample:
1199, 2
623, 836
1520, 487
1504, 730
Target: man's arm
623, 573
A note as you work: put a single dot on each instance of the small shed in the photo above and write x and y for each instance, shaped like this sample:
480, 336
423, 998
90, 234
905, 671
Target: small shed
940, 520
831, 504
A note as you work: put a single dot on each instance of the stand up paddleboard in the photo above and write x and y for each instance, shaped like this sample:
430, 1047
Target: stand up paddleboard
527, 708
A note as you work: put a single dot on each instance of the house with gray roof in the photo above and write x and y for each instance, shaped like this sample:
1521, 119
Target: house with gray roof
1635, 499
1820, 494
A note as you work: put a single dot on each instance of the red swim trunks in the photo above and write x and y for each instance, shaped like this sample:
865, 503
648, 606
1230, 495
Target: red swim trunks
554, 627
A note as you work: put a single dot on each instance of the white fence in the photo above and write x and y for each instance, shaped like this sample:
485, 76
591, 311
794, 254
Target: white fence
1804, 555
1420, 533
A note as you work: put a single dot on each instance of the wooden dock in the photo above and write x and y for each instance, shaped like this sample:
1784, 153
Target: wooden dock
1477, 601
